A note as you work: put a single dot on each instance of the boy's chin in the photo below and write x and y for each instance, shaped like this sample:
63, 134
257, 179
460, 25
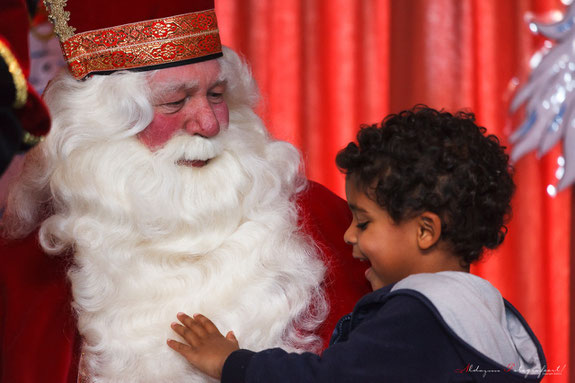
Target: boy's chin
377, 285
375, 282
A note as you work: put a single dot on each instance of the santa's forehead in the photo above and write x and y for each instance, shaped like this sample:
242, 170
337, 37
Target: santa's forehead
201, 71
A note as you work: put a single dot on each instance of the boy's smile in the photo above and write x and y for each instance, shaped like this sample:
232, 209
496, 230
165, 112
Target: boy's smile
391, 249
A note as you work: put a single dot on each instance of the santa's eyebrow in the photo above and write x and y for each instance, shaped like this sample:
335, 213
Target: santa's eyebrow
168, 88
220, 82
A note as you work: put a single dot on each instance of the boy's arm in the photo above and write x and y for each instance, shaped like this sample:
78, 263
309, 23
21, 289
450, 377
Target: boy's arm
403, 340
207, 348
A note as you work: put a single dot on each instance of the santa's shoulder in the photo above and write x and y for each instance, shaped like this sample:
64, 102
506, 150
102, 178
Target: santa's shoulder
319, 204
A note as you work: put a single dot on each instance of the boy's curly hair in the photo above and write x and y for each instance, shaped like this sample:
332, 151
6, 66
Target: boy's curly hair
427, 160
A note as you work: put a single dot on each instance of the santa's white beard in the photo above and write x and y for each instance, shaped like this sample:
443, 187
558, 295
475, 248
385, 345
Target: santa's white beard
153, 238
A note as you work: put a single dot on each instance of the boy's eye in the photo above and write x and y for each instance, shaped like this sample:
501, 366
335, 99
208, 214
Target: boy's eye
362, 225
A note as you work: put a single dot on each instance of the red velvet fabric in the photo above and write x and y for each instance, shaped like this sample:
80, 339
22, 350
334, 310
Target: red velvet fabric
38, 337
38, 333
89, 16
14, 28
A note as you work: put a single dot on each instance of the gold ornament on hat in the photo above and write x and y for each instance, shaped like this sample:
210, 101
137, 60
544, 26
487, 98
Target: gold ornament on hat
59, 17
141, 45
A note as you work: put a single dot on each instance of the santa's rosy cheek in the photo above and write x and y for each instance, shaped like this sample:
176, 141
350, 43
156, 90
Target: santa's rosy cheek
222, 114
160, 130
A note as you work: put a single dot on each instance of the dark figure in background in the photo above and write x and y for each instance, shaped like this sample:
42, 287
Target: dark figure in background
23, 116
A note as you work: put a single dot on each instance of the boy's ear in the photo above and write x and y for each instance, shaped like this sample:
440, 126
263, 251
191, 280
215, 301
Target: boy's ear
428, 230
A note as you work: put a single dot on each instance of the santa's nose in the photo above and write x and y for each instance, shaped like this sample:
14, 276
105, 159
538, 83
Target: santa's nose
203, 121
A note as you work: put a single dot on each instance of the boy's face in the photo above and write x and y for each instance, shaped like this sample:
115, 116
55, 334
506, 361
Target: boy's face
391, 249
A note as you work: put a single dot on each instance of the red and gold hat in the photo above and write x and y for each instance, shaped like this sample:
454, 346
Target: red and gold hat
109, 35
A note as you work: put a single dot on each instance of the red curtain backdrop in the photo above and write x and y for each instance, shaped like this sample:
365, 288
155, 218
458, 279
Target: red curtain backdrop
326, 66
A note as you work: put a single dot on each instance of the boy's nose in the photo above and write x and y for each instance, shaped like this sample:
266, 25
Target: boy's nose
349, 236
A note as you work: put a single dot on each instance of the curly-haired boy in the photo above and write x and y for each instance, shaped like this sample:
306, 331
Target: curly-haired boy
429, 191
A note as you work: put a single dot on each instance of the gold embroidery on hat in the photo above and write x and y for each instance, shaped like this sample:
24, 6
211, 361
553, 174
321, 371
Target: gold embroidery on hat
59, 17
143, 44
18, 77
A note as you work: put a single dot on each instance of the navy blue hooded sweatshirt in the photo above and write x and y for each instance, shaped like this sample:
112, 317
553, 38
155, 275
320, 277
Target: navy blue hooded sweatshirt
440, 327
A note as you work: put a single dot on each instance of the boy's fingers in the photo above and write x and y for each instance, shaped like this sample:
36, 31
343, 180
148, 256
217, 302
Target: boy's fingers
231, 336
183, 349
177, 346
207, 324
185, 319
191, 335
183, 332
192, 324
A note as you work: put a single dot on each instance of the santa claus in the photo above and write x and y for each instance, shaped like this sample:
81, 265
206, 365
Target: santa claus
159, 190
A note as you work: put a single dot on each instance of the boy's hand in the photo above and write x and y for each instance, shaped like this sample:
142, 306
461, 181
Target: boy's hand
207, 348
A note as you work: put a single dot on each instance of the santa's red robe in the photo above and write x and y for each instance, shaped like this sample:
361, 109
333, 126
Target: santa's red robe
39, 340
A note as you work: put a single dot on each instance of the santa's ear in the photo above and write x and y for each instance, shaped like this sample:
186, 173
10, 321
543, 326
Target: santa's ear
428, 230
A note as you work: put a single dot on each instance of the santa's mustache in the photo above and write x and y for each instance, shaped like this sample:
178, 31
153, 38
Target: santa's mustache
183, 149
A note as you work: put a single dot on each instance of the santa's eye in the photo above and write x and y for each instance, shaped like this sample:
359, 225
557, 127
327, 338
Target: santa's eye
172, 106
